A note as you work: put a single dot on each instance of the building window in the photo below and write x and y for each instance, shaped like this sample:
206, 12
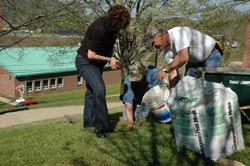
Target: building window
60, 82
45, 84
79, 80
52, 83
37, 85
29, 86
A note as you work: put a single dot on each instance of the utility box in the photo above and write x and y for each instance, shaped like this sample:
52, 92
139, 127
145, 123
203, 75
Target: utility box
238, 79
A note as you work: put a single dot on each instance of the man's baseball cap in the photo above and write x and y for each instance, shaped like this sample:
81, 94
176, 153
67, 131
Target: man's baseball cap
136, 70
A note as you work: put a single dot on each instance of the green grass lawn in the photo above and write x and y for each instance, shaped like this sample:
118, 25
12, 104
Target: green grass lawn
231, 55
58, 142
75, 97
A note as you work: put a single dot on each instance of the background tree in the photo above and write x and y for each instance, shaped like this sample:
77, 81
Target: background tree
72, 17
246, 56
31, 19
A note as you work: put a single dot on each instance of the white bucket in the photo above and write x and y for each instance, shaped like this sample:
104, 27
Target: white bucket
156, 99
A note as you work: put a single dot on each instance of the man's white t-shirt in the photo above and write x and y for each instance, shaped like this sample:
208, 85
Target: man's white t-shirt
200, 45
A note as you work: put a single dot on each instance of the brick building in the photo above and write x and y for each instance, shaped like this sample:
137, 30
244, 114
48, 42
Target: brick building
43, 70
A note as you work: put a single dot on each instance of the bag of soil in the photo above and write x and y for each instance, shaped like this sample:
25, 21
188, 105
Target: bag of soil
206, 118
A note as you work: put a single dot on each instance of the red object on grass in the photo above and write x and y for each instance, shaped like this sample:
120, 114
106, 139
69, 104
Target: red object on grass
29, 102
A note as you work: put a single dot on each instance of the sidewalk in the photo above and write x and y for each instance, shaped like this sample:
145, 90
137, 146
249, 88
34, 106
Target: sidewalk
27, 116
7, 101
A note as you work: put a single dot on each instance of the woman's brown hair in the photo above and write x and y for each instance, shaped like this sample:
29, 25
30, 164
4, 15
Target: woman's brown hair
119, 17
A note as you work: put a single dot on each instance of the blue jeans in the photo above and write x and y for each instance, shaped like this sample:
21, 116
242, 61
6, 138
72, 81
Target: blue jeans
213, 60
95, 105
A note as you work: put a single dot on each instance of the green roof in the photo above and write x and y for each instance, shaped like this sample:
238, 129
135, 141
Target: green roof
29, 61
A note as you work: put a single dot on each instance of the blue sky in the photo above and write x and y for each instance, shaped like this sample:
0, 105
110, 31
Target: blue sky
244, 8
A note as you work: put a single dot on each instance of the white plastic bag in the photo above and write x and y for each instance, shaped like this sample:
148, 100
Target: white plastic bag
206, 118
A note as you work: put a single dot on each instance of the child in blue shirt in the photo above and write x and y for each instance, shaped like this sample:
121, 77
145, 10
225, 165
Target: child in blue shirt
139, 80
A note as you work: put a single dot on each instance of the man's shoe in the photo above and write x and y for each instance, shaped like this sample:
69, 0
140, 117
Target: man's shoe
100, 133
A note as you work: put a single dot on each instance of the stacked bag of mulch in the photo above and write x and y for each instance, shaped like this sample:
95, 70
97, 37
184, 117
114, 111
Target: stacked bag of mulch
206, 118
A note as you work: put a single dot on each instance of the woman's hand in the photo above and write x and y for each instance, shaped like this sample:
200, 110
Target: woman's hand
114, 63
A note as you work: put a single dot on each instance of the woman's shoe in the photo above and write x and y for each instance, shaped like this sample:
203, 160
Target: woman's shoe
100, 133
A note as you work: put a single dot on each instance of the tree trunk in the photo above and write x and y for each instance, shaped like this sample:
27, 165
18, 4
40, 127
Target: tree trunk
1, 20
246, 55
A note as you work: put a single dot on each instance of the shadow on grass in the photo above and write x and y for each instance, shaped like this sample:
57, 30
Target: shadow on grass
14, 110
114, 119
151, 144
